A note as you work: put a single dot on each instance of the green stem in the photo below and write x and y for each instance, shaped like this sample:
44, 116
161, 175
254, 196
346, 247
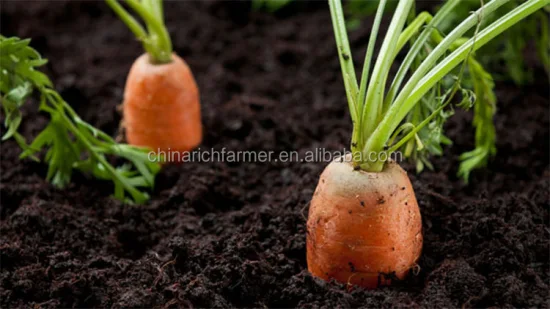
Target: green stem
412, 29
366, 71
148, 6
348, 69
472, 44
156, 40
417, 128
136, 195
134, 26
131, 23
432, 58
159, 10
158, 34
402, 128
375, 91
440, 16
422, 81
344, 54
399, 109
61, 106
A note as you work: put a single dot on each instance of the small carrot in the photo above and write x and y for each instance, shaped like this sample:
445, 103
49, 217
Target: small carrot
161, 105
364, 225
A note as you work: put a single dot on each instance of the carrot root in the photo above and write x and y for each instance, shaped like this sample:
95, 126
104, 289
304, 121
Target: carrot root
161, 106
363, 228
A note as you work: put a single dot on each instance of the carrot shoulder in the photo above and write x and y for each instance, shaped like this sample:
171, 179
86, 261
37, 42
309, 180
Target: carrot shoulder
161, 106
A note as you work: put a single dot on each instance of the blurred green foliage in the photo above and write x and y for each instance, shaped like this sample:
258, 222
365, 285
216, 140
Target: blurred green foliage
269, 5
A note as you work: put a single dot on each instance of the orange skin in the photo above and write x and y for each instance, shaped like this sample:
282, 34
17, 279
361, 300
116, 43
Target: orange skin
363, 226
161, 106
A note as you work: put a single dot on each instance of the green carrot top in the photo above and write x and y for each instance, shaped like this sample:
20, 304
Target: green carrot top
378, 114
155, 38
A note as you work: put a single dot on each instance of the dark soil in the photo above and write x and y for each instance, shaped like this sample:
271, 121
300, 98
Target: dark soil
233, 234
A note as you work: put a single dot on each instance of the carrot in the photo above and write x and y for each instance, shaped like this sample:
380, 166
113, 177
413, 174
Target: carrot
161, 107
364, 225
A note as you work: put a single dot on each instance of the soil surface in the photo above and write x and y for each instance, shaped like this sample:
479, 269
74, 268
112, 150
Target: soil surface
233, 234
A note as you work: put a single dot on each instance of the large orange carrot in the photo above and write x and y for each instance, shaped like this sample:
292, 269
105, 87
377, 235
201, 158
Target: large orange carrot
161, 99
363, 228
364, 224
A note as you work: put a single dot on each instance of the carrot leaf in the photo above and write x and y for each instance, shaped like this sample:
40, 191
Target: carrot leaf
69, 143
377, 114
484, 110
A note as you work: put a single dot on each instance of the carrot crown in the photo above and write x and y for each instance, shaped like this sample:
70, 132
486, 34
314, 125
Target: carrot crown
156, 40
377, 113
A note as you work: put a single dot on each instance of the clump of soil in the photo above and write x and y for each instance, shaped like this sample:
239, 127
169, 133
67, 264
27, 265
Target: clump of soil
219, 234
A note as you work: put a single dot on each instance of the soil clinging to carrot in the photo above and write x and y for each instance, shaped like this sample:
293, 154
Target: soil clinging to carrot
233, 234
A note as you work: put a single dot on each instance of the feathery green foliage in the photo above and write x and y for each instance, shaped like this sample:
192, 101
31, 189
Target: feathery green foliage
484, 110
69, 142
478, 85
269, 5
